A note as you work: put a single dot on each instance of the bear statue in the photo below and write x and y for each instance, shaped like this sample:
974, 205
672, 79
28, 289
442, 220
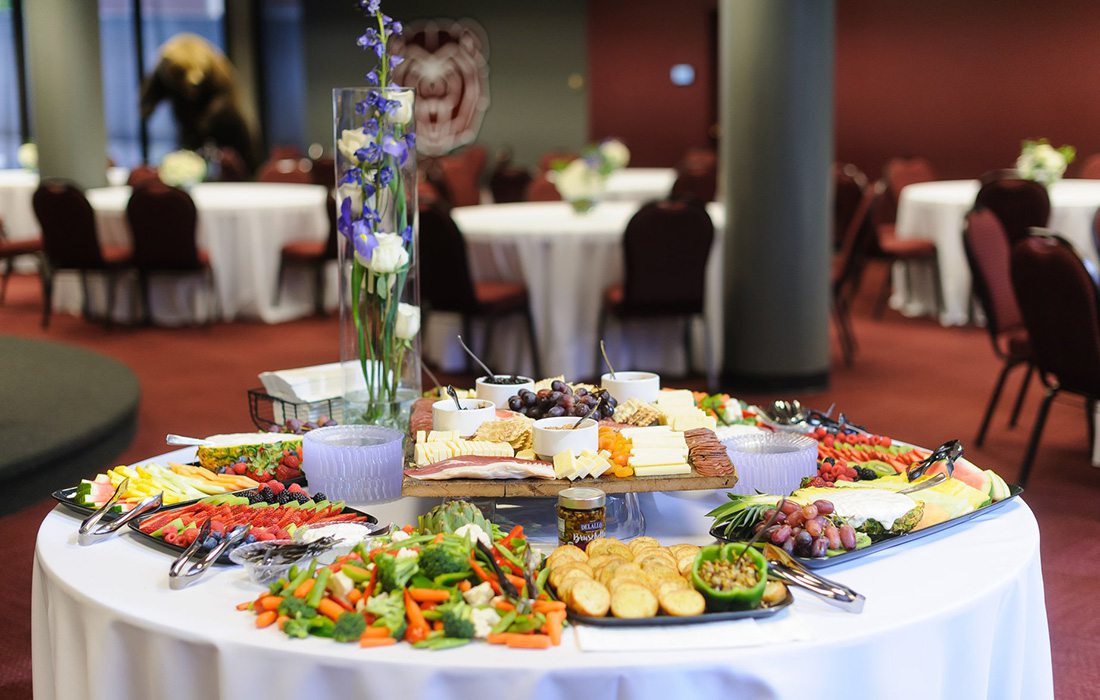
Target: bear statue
200, 83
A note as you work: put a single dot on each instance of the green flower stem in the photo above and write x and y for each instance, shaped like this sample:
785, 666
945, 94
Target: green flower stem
356, 286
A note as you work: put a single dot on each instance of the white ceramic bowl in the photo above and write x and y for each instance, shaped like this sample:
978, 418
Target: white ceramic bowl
550, 442
500, 393
446, 416
644, 386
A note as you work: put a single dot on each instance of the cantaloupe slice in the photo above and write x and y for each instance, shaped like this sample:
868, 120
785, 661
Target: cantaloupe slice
968, 473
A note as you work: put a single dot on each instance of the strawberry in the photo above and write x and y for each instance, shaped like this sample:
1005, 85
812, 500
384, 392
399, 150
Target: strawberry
276, 487
293, 461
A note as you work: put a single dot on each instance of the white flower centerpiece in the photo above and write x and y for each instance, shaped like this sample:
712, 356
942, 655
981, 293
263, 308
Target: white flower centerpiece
1043, 163
581, 182
27, 155
374, 135
182, 169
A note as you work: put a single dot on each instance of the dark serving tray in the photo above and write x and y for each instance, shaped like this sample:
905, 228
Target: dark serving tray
177, 550
667, 620
889, 542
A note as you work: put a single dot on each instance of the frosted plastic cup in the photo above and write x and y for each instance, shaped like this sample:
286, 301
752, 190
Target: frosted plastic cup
771, 462
643, 386
355, 463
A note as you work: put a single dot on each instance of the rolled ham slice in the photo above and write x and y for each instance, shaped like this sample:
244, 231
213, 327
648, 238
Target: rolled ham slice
472, 467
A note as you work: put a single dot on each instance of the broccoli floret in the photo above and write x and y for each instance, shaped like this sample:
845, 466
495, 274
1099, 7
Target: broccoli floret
447, 557
389, 611
393, 572
349, 627
296, 608
297, 628
458, 621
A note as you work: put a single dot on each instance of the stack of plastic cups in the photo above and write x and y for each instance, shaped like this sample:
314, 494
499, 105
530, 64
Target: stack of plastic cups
354, 463
771, 462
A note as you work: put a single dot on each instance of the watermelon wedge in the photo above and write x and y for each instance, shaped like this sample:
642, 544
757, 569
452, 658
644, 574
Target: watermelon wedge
968, 473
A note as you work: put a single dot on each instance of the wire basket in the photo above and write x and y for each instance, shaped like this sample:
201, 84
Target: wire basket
269, 411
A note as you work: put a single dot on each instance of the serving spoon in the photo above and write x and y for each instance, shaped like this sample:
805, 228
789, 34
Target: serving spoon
477, 359
454, 395
603, 351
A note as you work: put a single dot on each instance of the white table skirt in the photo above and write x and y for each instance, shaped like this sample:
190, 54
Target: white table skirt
16, 190
243, 227
956, 615
567, 260
639, 184
936, 210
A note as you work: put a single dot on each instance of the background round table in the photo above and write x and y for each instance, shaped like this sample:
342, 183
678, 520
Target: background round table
243, 226
567, 260
936, 210
638, 184
959, 614
16, 189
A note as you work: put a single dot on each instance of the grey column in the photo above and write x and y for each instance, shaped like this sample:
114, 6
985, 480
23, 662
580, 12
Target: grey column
776, 103
62, 39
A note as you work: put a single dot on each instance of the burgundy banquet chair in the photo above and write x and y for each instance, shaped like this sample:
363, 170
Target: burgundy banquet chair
647, 257
314, 256
988, 254
1061, 310
142, 174
846, 272
897, 174
849, 183
1019, 204
509, 182
542, 190
70, 242
164, 222
462, 174
891, 248
10, 250
448, 286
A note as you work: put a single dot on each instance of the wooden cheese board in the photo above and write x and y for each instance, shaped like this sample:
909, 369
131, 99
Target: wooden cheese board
527, 488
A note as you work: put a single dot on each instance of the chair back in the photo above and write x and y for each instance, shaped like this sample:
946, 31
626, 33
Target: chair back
445, 280
1061, 310
163, 222
142, 174
1090, 168
542, 190
662, 237
1018, 203
856, 243
462, 173
849, 182
293, 170
989, 255
68, 226
697, 185
508, 183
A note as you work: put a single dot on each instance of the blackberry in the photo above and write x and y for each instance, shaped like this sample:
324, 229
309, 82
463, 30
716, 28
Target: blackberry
254, 496
318, 497
867, 474
283, 498
300, 497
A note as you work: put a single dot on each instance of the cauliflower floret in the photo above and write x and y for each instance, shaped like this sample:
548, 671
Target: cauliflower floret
474, 533
399, 536
484, 619
407, 554
480, 594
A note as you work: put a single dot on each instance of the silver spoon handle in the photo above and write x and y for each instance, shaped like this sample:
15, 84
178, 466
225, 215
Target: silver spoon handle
171, 439
476, 359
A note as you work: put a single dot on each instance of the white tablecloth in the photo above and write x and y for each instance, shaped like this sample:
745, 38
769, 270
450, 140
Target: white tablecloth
936, 210
16, 189
567, 260
243, 227
956, 615
639, 184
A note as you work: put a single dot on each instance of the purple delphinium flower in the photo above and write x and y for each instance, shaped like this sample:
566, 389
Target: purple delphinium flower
392, 146
365, 243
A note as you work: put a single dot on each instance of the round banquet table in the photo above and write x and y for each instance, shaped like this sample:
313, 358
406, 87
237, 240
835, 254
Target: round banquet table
243, 226
16, 189
959, 614
936, 210
638, 184
566, 260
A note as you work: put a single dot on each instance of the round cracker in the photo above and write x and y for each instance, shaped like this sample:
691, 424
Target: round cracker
656, 555
631, 601
677, 584
683, 603
684, 563
600, 560
599, 546
590, 598
679, 550
558, 574
619, 549
564, 553
565, 588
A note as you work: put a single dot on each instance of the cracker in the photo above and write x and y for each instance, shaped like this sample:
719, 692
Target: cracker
565, 552
683, 603
590, 598
633, 601
635, 412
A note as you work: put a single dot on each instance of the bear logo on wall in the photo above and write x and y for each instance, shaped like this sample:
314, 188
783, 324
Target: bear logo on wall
200, 83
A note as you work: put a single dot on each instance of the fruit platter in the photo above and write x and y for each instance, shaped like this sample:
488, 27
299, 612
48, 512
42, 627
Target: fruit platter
549, 435
271, 510
869, 493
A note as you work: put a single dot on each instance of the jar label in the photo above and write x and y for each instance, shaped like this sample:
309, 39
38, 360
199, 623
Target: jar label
580, 534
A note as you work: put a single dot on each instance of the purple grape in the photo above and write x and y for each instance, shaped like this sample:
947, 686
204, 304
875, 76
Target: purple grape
555, 412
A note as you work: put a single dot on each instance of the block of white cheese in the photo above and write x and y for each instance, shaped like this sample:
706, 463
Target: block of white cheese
663, 470
632, 433
675, 397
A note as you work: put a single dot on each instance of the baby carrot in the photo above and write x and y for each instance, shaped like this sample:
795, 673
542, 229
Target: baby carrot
266, 618
375, 633
528, 641
430, 595
303, 590
501, 638
464, 586
545, 606
554, 622
354, 595
503, 606
376, 641
330, 608
271, 602
281, 620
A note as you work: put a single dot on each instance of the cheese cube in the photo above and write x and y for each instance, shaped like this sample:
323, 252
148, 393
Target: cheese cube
525, 454
565, 464
675, 397
602, 464
421, 436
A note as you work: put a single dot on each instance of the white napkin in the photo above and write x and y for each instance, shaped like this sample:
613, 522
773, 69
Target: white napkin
709, 635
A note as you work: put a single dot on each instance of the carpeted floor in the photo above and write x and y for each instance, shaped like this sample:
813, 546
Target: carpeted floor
912, 379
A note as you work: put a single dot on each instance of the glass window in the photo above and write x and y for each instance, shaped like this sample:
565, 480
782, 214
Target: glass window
10, 132
118, 59
283, 77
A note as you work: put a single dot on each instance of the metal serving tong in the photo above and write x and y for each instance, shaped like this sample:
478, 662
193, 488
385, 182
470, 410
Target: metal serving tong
785, 568
947, 452
180, 575
92, 530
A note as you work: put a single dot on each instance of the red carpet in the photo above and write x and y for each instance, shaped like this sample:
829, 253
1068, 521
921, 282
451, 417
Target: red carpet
912, 379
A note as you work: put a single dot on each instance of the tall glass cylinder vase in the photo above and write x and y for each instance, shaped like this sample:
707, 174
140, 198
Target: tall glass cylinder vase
376, 213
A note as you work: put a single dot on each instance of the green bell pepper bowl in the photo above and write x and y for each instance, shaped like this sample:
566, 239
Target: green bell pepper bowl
738, 598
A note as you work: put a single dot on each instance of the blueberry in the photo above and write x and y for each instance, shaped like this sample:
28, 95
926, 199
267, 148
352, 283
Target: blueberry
209, 543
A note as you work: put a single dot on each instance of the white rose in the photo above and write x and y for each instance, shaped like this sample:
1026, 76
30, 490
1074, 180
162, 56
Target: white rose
180, 168
350, 141
615, 153
403, 114
28, 156
408, 321
390, 255
350, 190
577, 181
